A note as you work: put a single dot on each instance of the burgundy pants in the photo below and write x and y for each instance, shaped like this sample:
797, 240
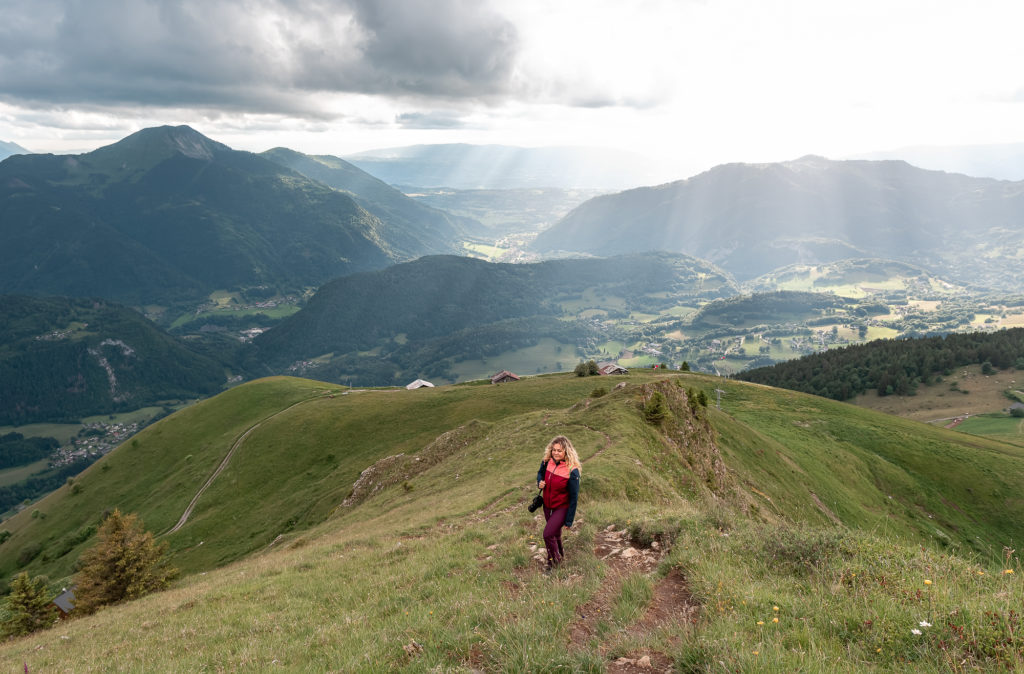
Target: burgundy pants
553, 533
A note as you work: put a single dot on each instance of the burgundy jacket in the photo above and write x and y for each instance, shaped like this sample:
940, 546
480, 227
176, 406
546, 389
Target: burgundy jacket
561, 487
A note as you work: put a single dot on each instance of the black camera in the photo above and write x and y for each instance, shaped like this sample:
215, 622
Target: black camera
537, 502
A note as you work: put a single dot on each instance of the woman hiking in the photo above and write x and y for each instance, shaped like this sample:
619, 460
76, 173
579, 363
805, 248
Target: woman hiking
559, 482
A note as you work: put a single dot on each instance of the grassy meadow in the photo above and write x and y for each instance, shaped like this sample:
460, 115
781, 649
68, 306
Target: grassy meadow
965, 392
386, 530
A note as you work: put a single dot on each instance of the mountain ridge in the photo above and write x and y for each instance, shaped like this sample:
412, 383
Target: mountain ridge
441, 306
425, 225
752, 218
167, 215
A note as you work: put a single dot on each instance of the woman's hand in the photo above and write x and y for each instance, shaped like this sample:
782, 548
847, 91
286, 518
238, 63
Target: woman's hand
540, 485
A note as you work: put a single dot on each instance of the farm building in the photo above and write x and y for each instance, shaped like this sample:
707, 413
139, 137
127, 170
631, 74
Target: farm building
503, 377
611, 368
419, 383
65, 602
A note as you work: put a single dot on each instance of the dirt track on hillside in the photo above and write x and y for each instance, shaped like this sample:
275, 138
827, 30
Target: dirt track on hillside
224, 464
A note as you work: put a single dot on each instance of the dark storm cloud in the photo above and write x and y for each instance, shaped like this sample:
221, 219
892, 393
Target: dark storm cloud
256, 56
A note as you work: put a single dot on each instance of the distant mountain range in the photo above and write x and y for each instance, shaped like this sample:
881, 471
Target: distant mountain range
169, 215
463, 166
63, 359
7, 149
752, 218
1003, 161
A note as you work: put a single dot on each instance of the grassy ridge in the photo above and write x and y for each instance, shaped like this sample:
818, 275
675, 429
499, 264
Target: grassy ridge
288, 473
441, 556
876, 471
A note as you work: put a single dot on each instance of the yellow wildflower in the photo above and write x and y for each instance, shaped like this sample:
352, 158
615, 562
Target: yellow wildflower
927, 582
775, 608
1008, 571
760, 622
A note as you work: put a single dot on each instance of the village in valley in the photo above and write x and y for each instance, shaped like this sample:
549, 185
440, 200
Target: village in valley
93, 441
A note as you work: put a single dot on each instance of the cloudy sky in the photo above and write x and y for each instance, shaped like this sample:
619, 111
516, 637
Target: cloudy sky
697, 82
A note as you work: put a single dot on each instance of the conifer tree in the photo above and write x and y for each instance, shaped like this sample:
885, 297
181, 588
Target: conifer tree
125, 564
29, 605
656, 409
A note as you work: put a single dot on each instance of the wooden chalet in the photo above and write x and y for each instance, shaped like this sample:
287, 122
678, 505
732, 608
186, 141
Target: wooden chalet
611, 368
504, 377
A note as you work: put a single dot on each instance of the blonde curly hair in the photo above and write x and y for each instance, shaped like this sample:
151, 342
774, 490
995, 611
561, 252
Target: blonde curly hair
571, 457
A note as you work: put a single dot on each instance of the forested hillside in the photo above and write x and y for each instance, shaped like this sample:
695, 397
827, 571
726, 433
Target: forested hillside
419, 317
167, 215
777, 307
891, 366
62, 359
416, 227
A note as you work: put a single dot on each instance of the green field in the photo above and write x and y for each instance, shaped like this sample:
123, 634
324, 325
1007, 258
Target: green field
999, 427
640, 361
9, 476
62, 432
680, 311
280, 311
484, 251
542, 357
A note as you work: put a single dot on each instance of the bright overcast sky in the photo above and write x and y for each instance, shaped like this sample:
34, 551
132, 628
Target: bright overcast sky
699, 81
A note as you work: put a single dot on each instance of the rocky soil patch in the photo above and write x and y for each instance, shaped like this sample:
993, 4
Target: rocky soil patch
671, 600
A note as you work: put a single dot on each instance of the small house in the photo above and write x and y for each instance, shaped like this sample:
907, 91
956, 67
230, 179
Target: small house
65, 602
503, 377
419, 383
611, 368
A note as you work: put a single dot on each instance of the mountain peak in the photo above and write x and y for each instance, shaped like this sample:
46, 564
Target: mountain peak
7, 149
180, 139
150, 146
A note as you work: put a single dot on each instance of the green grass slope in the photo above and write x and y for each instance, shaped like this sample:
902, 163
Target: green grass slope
386, 530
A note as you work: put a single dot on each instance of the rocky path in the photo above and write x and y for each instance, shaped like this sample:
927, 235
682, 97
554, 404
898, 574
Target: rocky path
671, 601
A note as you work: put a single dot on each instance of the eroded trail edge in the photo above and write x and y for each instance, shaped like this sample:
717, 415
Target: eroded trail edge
671, 602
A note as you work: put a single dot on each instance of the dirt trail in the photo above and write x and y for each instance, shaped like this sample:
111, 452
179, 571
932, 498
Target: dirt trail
224, 464
671, 602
